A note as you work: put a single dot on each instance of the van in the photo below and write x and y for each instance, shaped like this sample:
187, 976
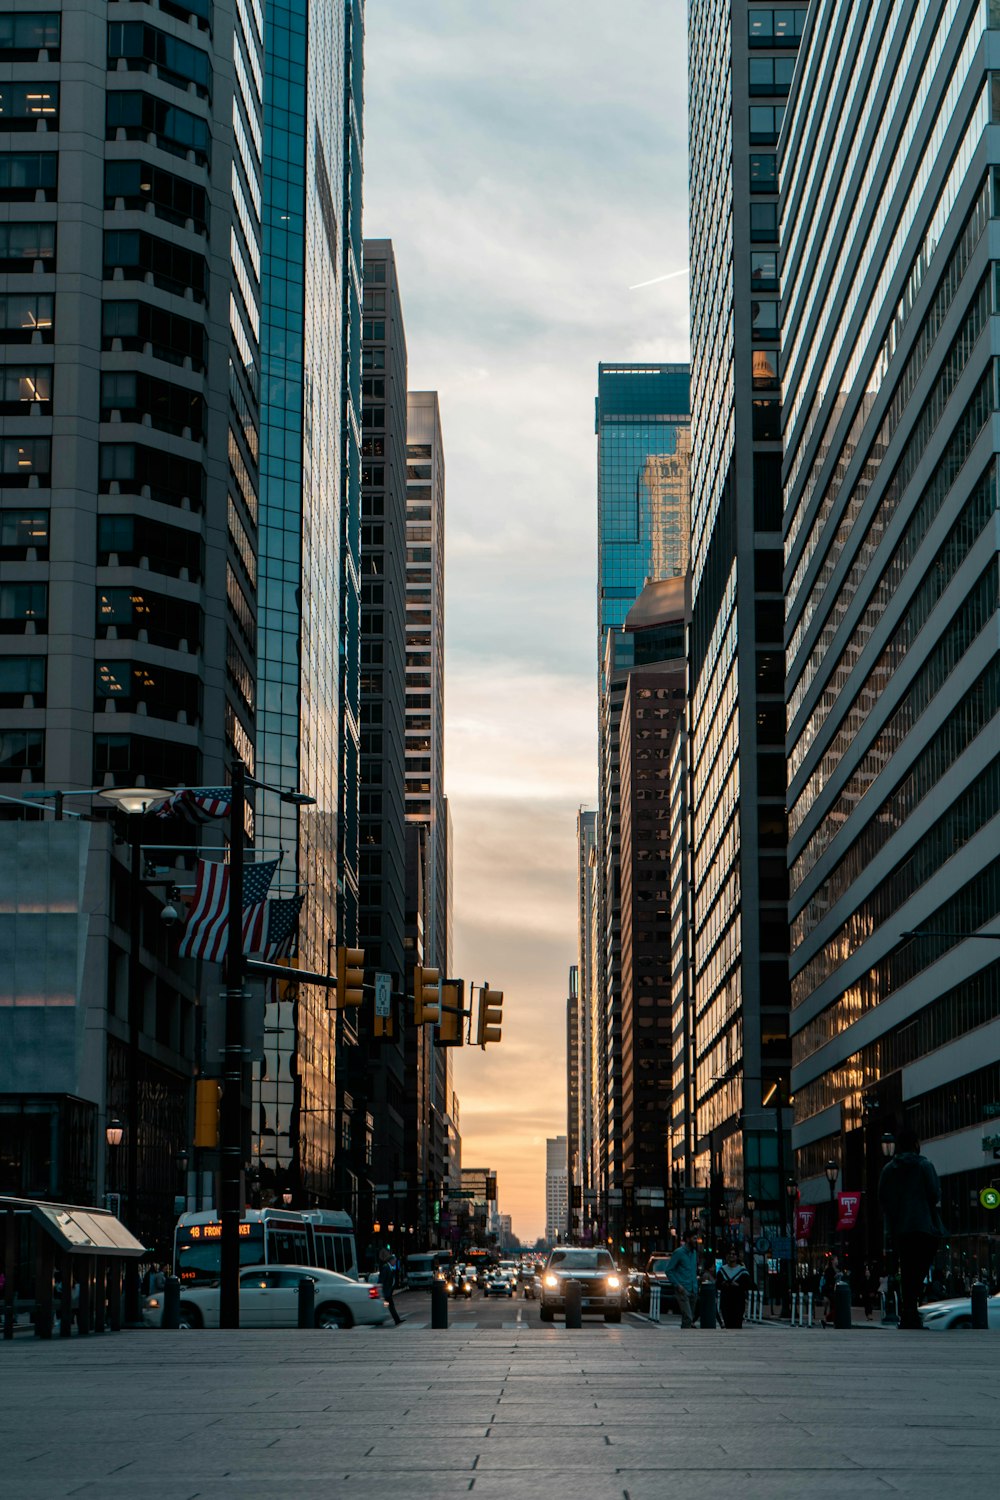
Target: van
421, 1270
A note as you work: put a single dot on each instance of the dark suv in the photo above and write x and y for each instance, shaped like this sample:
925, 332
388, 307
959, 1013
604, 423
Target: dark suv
602, 1285
655, 1274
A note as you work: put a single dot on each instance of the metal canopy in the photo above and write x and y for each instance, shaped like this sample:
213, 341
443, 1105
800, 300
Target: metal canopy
80, 1230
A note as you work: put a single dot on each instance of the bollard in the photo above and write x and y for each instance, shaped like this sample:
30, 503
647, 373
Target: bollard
171, 1303
810, 1309
708, 1305
439, 1305
654, 1304
843, 1317
573, 1293
307, 1302
980, 1305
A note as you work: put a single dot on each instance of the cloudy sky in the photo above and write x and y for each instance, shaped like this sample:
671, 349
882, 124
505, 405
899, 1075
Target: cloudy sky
528, 160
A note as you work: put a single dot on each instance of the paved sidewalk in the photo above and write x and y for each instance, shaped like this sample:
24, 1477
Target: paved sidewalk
630, 1413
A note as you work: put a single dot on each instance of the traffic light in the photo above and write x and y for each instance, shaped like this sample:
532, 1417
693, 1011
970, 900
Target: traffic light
451, 1026
207, 1093
350, 977
490, 1015
426, 996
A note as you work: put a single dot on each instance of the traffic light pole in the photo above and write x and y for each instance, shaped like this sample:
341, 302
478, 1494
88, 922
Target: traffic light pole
231, 1119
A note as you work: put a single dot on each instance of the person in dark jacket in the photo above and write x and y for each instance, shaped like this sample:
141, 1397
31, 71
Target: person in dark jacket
732, 1283
387, 1281
910, 1196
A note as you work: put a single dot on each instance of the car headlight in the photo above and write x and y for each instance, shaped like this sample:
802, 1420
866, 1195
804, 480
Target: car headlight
551, 1280
614, 1282
450, 1287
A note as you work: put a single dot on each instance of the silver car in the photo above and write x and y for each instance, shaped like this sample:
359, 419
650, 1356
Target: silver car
269, 1298
956, 1312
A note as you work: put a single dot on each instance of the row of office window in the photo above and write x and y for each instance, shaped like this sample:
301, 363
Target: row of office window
977, 709
23, 35
974, 516
972, 422
29, 106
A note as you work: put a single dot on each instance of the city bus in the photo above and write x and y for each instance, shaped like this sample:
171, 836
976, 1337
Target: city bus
268, 1236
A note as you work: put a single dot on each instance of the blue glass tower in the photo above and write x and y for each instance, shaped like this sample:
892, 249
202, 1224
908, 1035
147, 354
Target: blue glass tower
643, 529
643, 430
310, 544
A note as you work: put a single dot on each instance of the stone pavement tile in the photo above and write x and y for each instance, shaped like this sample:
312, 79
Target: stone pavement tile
749, 1484
549, 1484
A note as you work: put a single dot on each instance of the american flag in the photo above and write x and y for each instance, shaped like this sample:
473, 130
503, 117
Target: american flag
196, 804
207, 932
282, 920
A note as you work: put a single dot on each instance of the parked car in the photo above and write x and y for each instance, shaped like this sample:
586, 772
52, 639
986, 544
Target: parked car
956, 1312
597, 1274
269, 1298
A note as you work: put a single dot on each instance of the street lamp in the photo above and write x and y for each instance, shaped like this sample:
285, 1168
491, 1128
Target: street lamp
791, 1197
133, 802
888, 1144
832, 1170
286, 1197
114, 1132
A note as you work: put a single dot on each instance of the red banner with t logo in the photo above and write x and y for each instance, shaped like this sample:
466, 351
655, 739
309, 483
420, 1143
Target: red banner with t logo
849, 1205
804, 1218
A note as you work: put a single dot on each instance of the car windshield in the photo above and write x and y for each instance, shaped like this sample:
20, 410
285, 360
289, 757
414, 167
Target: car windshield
658, 1265
582, 1260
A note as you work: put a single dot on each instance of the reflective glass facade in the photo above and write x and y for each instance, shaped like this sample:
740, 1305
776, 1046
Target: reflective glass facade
310, 546
891, 568
643, 532
742, 61
643, 483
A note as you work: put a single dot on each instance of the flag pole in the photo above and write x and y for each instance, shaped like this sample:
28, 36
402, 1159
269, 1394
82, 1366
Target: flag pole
231, 1121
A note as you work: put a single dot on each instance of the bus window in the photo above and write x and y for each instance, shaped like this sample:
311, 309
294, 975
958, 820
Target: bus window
287, 1245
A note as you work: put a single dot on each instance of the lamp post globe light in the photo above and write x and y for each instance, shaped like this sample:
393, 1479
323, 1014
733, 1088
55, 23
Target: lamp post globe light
114, 1132
133, 802
791, 1198
889, 1311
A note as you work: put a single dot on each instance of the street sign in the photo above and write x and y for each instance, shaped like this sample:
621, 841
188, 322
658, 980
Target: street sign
459, 1193
692, 1197
991, 1111
383, 995
990, 1198
400, 1187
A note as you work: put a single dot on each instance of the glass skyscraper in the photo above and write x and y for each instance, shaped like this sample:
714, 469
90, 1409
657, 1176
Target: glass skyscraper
643, 526
889, 296
741, 66
309, 615
643, 483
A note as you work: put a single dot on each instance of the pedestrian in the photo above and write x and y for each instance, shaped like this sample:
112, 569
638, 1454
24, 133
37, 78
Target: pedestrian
909, 1193
682, 1274
733, 1284
827, 1289
387, 1281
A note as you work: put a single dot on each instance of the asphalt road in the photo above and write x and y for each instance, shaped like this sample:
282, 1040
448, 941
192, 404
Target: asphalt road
507, 1314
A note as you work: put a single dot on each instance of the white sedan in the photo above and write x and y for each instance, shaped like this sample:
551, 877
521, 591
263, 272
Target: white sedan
269, 1298
957, 1313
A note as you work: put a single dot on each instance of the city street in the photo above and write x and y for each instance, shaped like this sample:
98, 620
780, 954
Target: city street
634, 1412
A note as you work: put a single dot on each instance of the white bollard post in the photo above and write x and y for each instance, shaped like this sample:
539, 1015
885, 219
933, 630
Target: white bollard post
810, 1309
654, 1304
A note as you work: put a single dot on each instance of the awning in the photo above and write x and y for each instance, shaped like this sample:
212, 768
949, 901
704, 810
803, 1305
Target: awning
80, 1230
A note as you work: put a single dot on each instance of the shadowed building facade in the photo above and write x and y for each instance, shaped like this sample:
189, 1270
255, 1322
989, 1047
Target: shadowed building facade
889, 217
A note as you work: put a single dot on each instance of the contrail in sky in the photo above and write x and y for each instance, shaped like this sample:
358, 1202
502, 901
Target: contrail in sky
656, 279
